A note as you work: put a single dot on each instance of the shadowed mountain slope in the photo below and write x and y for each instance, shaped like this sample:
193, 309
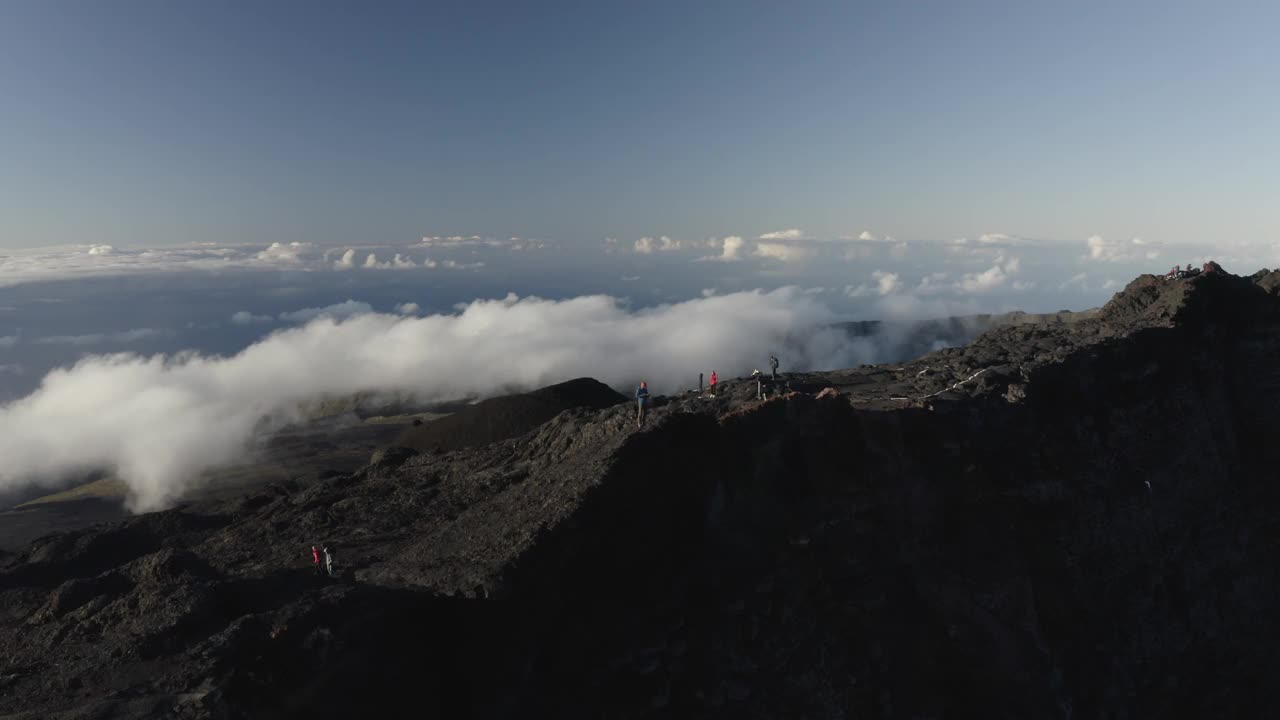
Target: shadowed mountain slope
508, 416
1054, 521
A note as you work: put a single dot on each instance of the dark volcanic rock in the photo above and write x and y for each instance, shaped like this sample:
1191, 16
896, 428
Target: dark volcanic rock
1067, 520
509, 416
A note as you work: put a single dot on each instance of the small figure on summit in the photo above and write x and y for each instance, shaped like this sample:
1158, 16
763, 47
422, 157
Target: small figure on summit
642, 402
315, 559
328, 561
773, 366
712, 383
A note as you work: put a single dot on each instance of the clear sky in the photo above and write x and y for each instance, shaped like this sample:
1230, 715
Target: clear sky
155, 122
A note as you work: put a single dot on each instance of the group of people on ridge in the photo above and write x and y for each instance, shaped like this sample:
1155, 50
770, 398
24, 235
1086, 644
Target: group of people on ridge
1178, 273
642, 392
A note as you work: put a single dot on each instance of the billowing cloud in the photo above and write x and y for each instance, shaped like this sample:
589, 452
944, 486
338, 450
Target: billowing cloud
100, 249
1136, 249
886, 283
991, 278
158, 421
730, 249
339, 311
408, 308
792, 234
932, 284
347, 261
867, 236
648, 245
294, 252
399, 262
244, 317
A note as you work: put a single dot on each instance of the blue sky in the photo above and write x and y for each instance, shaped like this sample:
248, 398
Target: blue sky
154, 123
211, 212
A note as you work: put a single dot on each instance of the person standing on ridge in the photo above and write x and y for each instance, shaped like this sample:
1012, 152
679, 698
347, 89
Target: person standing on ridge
315, 559
713, 382
773, 366
699, 384
642, 402
328, 561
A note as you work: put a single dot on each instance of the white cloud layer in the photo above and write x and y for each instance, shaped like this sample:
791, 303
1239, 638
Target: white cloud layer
792, 234
782, 251
159, 421
338, 311
1103, 250
87, 261
456, 241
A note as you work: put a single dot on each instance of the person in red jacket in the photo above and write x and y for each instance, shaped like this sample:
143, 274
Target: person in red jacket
713, 382
315, 559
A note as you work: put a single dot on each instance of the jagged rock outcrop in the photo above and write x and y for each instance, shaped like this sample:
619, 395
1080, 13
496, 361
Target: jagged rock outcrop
1054, 521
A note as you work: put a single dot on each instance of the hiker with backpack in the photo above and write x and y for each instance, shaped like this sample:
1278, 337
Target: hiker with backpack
773, 366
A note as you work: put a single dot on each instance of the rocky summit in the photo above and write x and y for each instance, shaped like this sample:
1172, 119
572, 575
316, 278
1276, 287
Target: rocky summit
1054, 521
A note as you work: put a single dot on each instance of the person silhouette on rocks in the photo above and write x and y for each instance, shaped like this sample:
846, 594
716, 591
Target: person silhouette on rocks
712, 383
328, 561
315, 559
642, 403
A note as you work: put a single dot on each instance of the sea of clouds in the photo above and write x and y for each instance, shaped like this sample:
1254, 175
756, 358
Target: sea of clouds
158, 421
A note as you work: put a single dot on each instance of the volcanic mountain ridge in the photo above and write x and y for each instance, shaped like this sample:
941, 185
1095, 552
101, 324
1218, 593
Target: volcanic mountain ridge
1054, 521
